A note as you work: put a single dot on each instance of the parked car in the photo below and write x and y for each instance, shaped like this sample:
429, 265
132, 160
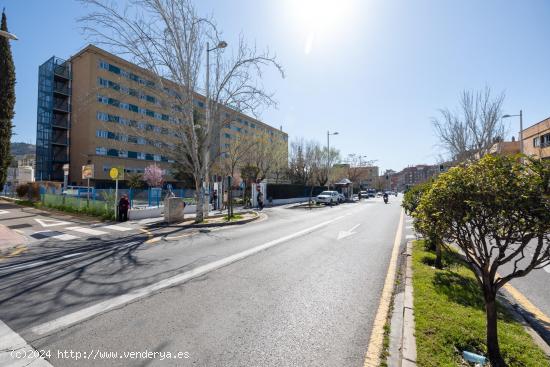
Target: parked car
328, 197
364, 195
341, 198
372, 193
379, 194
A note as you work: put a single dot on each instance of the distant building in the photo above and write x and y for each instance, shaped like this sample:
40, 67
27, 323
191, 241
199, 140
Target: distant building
536, 139
414, 175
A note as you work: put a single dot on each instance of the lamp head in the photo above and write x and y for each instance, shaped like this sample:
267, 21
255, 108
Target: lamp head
222, 44
506, 116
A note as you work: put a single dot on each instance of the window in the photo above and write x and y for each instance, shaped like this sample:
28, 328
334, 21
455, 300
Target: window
157, 157
133, 108
101, 134
104, 65
102, 116
114, 69
123, 154
103, 82
112, 152
132, 154
140, 155
536, 142
149, 156
101, 151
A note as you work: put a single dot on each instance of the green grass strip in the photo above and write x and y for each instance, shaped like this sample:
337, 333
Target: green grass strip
450, 317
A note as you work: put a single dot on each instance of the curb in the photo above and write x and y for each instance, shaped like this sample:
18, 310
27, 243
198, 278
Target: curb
206, 225
408, 347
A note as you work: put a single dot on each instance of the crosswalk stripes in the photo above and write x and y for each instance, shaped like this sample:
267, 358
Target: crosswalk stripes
65, 237
117, 228
93, 232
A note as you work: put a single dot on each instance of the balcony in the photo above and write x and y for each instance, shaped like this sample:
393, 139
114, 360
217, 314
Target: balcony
60, 121
62, 106
60, 141
62, 88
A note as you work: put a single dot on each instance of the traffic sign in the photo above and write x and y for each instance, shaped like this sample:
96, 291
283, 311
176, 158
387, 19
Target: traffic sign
87, 171
117, 173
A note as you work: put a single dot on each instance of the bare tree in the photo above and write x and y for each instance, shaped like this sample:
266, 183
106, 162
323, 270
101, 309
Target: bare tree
473, 130
168, 38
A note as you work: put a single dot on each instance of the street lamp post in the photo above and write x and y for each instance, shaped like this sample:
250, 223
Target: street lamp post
221, 44
520, 136
328, 156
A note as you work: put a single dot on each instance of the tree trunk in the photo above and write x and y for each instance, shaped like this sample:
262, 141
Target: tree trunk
438, 254
492, 336
199, 199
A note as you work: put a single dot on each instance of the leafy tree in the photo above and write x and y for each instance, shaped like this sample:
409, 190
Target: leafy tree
7, 101
497, 211
423, 224
135, 181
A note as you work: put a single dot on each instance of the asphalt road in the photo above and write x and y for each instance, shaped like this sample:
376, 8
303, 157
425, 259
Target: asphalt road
298, 288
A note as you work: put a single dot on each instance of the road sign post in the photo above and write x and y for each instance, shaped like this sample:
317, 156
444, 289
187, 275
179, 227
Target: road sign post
87, 173
116, 173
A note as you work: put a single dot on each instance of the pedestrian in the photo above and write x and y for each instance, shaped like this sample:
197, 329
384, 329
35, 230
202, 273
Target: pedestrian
260, 198
123, 206
215, 200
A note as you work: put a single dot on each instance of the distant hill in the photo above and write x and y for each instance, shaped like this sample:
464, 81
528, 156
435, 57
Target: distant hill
22, 148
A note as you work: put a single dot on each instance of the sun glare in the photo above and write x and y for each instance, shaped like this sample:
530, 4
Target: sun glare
318, 18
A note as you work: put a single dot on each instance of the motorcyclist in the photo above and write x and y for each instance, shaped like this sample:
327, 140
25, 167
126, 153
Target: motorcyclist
385, 197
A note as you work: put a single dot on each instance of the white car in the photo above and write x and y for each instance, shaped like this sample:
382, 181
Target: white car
327, 197
341, 198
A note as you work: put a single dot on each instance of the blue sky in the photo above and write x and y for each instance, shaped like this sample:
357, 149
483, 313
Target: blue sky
375, 71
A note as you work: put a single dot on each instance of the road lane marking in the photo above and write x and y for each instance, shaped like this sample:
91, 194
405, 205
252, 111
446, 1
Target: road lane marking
526, 304
65, 237
410, 237
50, 222
117, 228
344, 234
409, 227
376, 341
153, 240
93, 232
121, 300
11, 341
4, 212
72, 255
17, 267
547, 268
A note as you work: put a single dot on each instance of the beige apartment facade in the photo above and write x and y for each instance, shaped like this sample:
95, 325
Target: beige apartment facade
121, 116
536, 139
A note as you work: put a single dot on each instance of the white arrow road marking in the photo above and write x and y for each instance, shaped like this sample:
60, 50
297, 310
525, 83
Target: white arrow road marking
547, 268
10, 341
50, 222
410, 237
344, 234
4, 212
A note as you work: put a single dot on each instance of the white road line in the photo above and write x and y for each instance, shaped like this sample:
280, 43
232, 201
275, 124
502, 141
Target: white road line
547, 268
16, 267
11, 341
50, 222
118, 301
117, 228
72, 255
65, 237
93, 232
409, 227
4, 212
410, 237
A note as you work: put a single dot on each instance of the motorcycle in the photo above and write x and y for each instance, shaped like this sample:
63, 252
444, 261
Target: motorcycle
385, 199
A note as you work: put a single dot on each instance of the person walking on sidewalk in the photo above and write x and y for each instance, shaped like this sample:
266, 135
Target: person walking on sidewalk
260, 199
123, 206
215, 200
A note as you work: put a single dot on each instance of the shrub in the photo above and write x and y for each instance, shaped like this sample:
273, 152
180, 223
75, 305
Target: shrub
22, 190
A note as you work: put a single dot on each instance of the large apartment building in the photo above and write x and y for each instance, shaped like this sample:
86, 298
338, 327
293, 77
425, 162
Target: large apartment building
97, 108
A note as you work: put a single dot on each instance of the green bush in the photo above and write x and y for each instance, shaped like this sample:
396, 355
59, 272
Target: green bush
22, 190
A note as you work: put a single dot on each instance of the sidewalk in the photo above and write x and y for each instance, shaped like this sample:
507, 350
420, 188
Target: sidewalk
9, 239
